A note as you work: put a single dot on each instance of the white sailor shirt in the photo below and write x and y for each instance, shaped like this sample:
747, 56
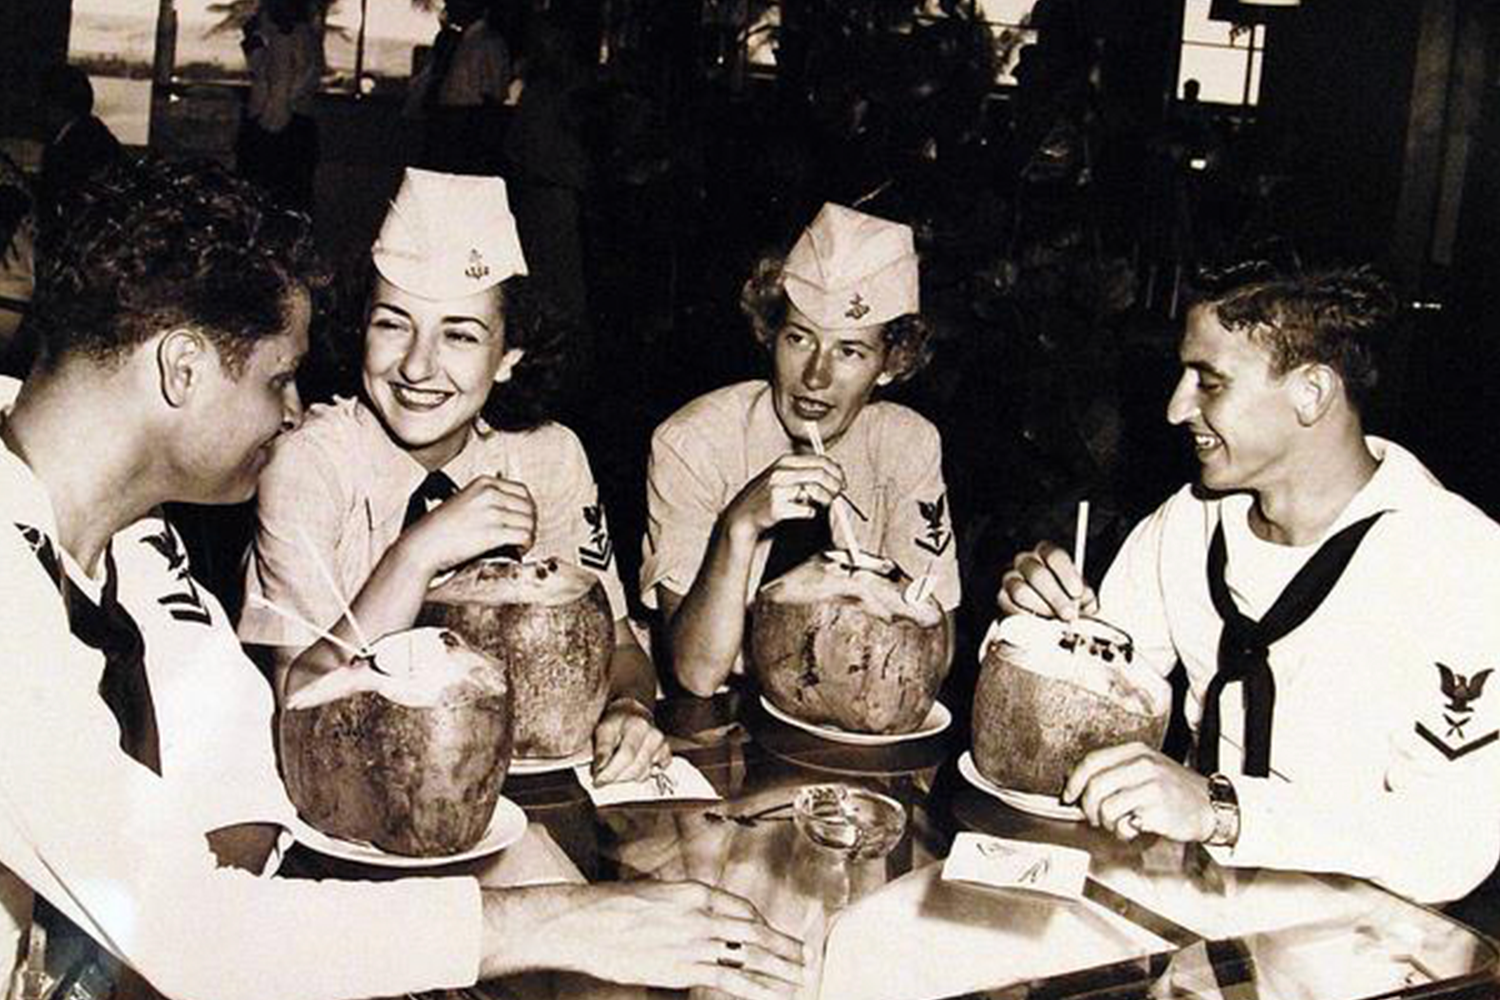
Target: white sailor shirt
1385, 753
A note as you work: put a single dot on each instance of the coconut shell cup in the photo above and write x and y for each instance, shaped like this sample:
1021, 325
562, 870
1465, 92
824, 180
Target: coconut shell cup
407, 752
837, 644
550, 624
1051, 692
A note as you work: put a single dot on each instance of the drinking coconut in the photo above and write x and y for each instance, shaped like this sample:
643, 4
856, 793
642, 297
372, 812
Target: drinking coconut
834, 641
1051, 692
406, 749
550, 624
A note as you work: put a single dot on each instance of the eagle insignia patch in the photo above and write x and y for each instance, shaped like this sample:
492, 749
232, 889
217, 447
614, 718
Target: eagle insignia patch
1460, 692
183, 604
597, 552
936, 537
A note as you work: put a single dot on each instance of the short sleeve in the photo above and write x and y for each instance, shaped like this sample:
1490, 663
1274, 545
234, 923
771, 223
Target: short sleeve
572, 524
919, 533
301, 495
682, 507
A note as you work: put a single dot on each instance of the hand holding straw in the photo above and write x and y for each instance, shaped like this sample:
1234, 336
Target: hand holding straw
840, 516
323, 571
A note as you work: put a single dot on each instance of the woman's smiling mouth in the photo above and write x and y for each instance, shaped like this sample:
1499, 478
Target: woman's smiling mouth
419, 399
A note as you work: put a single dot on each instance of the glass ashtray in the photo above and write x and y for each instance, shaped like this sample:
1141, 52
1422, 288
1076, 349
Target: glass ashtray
852, 822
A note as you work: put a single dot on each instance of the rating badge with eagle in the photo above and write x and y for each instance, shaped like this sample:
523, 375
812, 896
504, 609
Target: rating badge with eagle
1456, 728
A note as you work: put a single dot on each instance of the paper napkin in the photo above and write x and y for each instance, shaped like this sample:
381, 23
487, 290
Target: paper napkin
1017, 864
678, 780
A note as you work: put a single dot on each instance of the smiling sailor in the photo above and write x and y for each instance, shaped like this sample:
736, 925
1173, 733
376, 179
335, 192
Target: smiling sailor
1334, 606
448, 453
737, 492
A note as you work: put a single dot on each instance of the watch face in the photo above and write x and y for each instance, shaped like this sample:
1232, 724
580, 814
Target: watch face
1220, 789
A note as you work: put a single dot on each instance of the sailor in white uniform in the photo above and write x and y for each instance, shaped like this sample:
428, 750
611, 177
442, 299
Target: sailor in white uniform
1333, 605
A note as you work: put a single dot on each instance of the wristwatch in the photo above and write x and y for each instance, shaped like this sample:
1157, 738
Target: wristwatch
1226, 806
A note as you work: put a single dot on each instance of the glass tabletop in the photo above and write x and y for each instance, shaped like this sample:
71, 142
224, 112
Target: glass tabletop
1156, 919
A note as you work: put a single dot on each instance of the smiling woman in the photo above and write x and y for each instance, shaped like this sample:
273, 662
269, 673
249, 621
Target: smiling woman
447, 458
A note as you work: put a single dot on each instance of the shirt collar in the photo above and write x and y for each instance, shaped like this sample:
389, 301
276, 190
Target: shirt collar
1398, 481
391, 464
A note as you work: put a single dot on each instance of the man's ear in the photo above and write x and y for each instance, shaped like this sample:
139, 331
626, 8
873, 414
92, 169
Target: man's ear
508, 362
181, 357
1318, 388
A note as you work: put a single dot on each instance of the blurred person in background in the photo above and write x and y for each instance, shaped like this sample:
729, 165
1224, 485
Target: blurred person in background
277, 146
79, 144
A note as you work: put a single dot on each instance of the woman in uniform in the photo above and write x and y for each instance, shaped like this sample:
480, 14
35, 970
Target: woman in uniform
447, 454
741, 479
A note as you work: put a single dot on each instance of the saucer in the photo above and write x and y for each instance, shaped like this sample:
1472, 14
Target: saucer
1046, 806
938, 719
506, 827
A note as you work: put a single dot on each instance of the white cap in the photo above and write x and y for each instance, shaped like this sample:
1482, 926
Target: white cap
448, 235
849, 269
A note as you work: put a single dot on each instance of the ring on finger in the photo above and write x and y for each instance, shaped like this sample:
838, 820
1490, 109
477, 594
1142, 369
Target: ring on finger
731, 958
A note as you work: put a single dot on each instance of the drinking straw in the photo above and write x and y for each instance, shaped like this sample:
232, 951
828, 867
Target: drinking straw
1081, 535
840, 516
312, 553
261, 602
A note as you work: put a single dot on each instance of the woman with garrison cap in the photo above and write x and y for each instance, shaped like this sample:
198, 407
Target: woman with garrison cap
737, 490
448, 453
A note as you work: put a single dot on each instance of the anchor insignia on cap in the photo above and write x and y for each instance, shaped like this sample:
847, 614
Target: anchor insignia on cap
477, 267
857, 307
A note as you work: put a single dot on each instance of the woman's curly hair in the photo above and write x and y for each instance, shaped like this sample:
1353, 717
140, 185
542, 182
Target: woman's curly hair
908, 338
531, 396
1340, 318
149, 245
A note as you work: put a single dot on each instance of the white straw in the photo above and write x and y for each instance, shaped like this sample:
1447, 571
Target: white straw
1081, 536
840, 516
261, 602
312, 553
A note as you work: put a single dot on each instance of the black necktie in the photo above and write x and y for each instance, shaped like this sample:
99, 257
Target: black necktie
796, 540
437, 486
1245, 644
108, 628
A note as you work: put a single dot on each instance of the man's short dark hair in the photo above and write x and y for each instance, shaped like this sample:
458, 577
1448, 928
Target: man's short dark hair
1340, 318
908, 338
150, 245
67, 87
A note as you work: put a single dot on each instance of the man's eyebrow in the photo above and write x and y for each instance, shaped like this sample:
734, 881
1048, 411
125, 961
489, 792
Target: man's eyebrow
1203, 366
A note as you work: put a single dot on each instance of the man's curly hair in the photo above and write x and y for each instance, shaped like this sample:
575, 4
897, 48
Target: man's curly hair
151, 245
1340, 318
908, 338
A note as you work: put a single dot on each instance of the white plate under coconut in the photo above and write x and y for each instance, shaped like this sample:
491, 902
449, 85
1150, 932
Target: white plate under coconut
546, 765
1046, 806
938, 719
507, 826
